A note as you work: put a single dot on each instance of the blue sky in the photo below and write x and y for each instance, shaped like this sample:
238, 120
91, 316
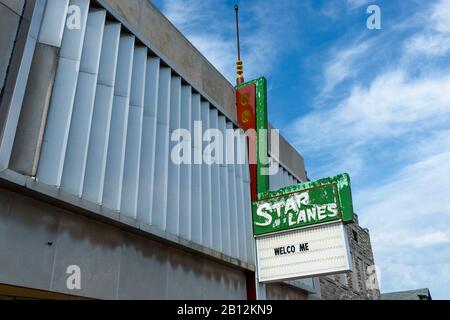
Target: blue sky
373, 103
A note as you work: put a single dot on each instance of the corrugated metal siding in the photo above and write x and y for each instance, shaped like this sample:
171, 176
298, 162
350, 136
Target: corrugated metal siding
282, 179
107, 140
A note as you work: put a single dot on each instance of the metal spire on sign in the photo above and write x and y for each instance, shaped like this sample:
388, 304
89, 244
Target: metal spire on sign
239, 63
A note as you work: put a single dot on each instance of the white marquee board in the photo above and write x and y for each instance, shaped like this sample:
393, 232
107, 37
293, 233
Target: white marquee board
303, 253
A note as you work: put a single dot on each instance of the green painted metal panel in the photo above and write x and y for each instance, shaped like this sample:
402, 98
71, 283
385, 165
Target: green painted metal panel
303, 205
262, 124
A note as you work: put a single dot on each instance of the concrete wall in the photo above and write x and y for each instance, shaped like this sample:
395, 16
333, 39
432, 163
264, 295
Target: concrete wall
39, 241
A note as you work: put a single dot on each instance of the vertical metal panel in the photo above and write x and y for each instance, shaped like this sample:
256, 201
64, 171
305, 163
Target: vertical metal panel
288, 178
280, 183
137, 95
52, 27
272, 179
10, 115
119, 121
240, 200
60, 111
232, 186
293, 181
147, 167
185, 169
80, 126
283, 178
216, 189
101, 118
159, 212
207, 227
277, 180
173, 191
9, 24
224, 195
72, 37
134, 135
196, 182
92, 45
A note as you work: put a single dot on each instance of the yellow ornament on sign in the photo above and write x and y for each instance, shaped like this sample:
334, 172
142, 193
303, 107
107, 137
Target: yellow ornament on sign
246, 115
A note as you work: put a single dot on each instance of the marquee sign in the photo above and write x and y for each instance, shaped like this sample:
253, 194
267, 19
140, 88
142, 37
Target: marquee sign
299, 230
303, 253
303, 205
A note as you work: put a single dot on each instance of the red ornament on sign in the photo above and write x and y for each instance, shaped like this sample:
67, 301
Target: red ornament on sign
246, 106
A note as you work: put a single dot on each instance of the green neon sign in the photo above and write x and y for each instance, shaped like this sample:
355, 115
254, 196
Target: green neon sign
303, 205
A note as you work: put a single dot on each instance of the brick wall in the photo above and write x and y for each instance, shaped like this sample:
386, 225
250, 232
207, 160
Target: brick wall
355, 285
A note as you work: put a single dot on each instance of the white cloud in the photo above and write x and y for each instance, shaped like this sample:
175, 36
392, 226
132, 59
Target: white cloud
429, 44
431, 239
186, 14
397, 103
440, 16
355, 4
344, 65
393, 105
417, 194
334, 9
409, 222
435, 37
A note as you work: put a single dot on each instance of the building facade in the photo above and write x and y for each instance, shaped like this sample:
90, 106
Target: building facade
362, 282
91, 91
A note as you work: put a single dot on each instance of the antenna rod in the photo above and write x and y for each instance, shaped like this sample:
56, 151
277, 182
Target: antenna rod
239, 63
236, 8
